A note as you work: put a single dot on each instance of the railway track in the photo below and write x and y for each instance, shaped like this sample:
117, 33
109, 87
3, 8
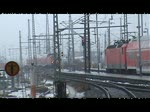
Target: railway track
103, 77
135, 87
105, 87
109, 85
99, 87
110, 89
140, 91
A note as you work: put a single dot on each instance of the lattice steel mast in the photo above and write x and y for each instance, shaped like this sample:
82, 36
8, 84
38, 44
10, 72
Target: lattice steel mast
87, 49
47, 35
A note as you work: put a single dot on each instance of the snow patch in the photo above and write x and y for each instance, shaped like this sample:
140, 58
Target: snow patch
80, 95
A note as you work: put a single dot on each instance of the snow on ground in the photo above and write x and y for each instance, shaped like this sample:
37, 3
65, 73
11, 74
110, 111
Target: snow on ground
71, 90
49, 95
126, 83
73, 93
105, 81
48, 82
21, 94
80, 95
78, 72
82, 72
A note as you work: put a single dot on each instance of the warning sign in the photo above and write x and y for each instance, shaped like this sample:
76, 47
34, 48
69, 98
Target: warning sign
12, 68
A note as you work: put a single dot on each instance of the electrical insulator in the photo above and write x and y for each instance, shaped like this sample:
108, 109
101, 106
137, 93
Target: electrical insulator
83, 41
62, 54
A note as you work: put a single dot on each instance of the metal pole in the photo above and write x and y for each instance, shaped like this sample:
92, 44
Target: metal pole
47, 35
84, 46
21, 61
89, 44
87, 48
29, 47
34, 41
109, 32
98, 44
3, 84
57, 61
33, 82
29, 44
142, 24
69, 44
95, 35
105, 41
121, 37
127, 25
124, 26
60, 86
12, 82
61, 36
72, 37
139, 54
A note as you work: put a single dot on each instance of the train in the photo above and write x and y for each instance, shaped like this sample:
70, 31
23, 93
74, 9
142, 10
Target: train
121, 57
124, 56
43, 60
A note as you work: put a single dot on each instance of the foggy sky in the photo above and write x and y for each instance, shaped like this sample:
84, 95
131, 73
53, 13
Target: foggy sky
10, 24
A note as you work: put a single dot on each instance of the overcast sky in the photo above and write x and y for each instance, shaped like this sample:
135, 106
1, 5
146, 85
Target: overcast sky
10, 24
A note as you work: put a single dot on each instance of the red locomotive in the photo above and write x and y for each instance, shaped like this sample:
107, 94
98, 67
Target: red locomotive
123, 56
